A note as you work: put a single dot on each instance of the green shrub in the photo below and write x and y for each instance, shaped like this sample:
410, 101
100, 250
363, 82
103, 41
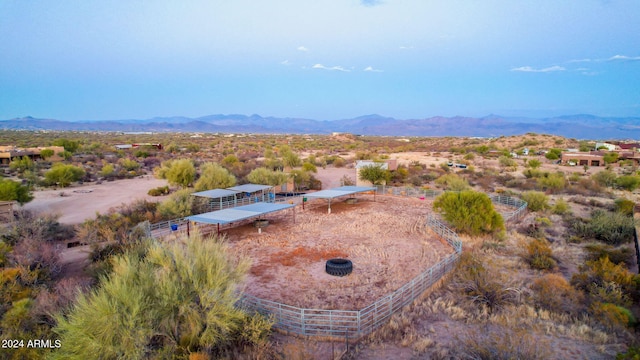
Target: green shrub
632, 353
159, 191
553, 182
64, 174
561, 207
536, 200
453, 182
214, 176
534, 163
628, 182
469, 212
185, 291
612, 228
14, 191
605, 178
624, 206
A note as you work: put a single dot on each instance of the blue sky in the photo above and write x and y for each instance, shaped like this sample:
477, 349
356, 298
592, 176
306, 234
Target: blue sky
325, 60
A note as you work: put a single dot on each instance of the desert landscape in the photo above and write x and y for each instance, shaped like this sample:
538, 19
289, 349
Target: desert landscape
545, 254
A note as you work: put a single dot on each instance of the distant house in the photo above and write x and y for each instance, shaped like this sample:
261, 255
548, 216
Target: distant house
600, 145
630, 147
593, 158
525, 151
10, 153
390, 165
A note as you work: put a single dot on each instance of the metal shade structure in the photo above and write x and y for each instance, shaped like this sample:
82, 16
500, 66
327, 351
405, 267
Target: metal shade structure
227, 216
338, 192
216, 193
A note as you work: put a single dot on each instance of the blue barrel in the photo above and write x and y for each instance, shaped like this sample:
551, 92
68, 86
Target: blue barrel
174, 227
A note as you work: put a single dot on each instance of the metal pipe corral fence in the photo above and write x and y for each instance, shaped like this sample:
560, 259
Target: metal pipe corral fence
354, 324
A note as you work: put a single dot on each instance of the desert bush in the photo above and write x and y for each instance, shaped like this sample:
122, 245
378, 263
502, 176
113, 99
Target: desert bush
179, 204
553, 182
502, 344
613, 228
553, 154
507, 162
484, 285
624, 206
107, 171
628, 182
539, 255
159, 191
605, 178
533, 163
452, 182
14, 191
536, 200
469, 212
613, 316
214, 176
180, 298
611, 157
607, 282
339, 162
632, 353
267, 177
129, 164
553, 292
177, 172
63, 174
534, 173
309, 167
375, 174
619, 255
560, 207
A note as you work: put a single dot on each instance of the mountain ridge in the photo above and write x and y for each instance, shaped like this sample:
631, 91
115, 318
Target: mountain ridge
582, 126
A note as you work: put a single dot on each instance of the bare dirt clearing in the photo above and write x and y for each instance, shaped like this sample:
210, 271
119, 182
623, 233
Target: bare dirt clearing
387, 241
82, 202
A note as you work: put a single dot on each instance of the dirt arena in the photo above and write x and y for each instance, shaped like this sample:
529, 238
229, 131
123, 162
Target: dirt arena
386, 240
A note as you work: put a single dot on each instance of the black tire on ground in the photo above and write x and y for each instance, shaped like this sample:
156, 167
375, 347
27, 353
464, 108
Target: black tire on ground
339, 267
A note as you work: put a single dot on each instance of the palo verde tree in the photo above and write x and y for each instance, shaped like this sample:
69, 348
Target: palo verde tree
64, 174
14, 191
177, 172
214, 176
266, 176
470, 212
178, 299
375, 174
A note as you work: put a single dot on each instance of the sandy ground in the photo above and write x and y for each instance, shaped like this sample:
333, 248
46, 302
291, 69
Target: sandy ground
386, 240
82, 202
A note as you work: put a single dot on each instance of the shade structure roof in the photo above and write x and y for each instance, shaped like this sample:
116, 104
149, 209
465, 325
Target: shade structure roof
339, 191
216, 193
235, 214
250, 188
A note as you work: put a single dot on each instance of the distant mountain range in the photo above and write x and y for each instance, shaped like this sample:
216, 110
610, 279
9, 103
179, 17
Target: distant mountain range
574, 126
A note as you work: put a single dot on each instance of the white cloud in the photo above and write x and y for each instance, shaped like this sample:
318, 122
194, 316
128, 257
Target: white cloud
543, 70
371, 69
579, 60
623, 58
406, 47
331, 68
613, 58
286, 62
302, 48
